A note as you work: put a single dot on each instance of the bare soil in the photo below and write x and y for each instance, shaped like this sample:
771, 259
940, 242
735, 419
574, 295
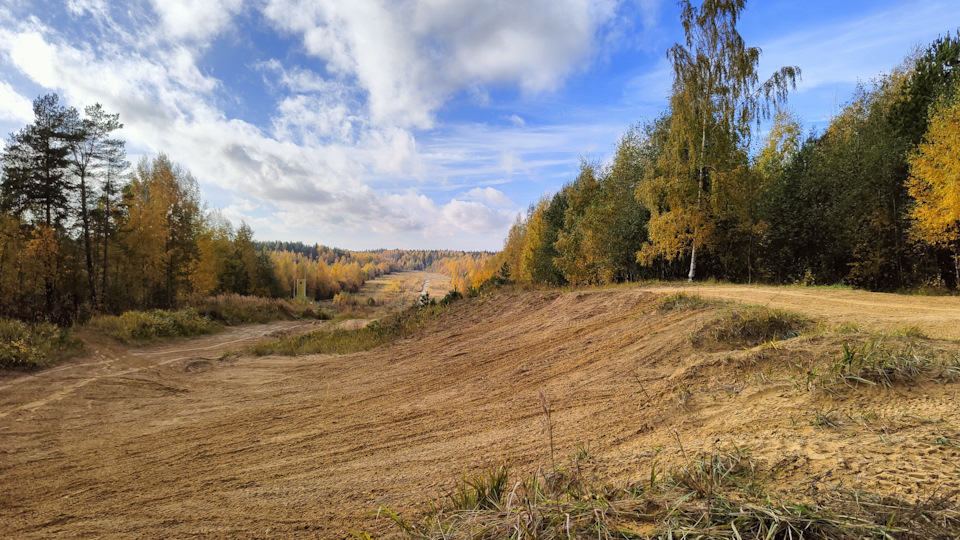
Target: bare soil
167, 441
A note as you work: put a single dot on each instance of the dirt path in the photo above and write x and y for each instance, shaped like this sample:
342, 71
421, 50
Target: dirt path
168, 442
937, 317
109, 360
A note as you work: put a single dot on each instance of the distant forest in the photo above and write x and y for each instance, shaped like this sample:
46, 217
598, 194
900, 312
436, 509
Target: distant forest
83, 233
872, 202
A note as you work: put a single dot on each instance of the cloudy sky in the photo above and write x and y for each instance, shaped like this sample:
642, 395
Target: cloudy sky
407, 123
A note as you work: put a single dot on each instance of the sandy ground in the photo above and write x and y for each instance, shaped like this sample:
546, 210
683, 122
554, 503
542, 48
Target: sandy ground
938, 317
168, 442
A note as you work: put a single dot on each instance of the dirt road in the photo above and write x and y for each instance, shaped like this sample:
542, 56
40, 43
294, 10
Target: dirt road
166, 442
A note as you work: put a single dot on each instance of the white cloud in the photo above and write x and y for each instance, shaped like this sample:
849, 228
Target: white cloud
339, 152
13, 106
409, 56
515, 120
491, 196
195, 19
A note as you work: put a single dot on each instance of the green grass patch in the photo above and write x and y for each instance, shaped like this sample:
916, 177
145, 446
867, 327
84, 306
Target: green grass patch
141, 326
720, 495
751, 326
32, 346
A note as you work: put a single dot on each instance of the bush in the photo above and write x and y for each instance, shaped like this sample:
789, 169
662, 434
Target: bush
138, 326
344, 300
32, 346
233, 309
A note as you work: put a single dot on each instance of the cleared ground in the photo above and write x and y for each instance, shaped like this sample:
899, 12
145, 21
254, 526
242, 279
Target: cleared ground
165, 442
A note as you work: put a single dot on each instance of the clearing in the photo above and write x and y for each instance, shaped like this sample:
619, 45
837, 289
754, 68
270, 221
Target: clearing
164, 442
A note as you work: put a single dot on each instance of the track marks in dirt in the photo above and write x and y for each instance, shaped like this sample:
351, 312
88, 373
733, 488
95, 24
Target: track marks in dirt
312, 445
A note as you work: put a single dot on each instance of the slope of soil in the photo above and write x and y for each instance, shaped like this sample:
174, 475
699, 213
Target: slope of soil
312, 446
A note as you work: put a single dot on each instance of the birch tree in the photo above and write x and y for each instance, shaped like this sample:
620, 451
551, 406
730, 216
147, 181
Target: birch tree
716, 100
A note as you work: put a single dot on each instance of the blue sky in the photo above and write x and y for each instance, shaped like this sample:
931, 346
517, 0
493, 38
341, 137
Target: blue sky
407, 123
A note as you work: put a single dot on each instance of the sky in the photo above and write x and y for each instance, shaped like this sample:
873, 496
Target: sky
414, 124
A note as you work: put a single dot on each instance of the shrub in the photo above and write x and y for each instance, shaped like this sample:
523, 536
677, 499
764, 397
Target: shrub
31, 346
134, 326
233, 309
379, 332
344, 300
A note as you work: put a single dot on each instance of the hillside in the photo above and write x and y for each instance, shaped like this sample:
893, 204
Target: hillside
312, 446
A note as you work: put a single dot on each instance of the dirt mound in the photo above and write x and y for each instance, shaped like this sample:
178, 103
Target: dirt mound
312, 446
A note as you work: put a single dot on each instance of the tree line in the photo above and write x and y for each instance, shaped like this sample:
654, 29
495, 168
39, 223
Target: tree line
873, 201
83, 232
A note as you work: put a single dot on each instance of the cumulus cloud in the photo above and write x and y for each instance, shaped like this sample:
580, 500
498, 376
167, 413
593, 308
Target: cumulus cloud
13, 106
340, 150
194, 19
491, 196
410, 56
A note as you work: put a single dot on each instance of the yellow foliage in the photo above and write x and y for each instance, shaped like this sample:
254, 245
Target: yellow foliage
935, 179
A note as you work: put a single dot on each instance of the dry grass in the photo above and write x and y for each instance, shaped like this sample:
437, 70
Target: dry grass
751, 326
719, 495
684, 301
375, 334
877, 363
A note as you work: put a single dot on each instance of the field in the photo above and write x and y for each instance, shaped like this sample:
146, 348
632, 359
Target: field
169, 441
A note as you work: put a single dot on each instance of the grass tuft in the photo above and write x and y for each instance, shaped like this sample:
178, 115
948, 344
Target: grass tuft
751, 326
684, 301
873, 363
720, 495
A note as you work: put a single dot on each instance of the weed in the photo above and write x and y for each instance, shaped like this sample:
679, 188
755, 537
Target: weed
944, 441
873, 364
910, 331
31, 346
483, 491
826, 418
847, 328
547, 423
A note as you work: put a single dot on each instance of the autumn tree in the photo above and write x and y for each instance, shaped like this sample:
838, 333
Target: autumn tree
717, 97
163, 206
935, 182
